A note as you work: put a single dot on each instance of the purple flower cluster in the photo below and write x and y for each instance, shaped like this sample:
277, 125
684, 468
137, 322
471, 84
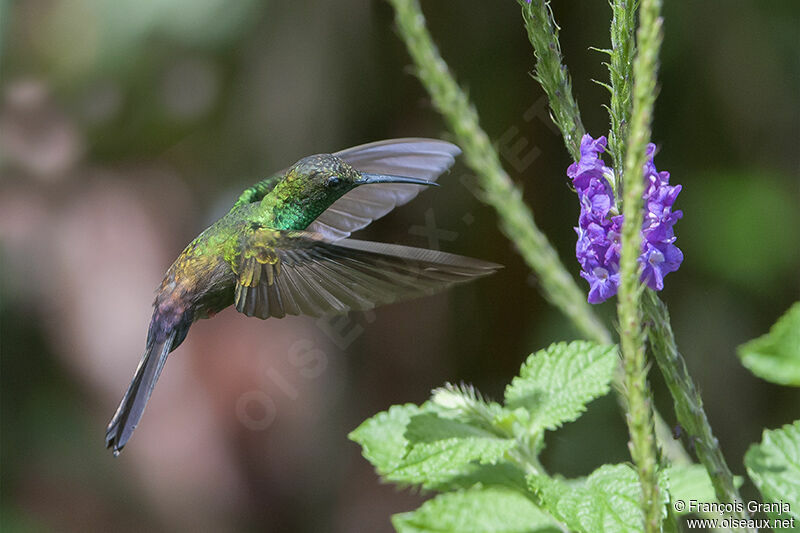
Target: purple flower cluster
600, 225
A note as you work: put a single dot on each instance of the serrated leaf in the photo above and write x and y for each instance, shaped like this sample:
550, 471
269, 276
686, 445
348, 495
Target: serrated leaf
556, 384
775, 356
690, 482
608, 500
774, 467
382, 437
384, 444
476, 511
441, 449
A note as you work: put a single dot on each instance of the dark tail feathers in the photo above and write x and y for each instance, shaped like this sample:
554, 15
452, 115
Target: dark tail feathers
144, 381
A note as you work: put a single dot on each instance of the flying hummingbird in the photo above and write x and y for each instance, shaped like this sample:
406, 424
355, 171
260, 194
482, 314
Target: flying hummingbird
283, 249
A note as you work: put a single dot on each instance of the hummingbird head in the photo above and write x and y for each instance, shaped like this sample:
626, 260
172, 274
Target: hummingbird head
317, 181
323, 176
332, 176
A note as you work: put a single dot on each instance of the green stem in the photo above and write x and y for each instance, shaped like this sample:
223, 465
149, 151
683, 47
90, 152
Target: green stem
553, 76
516, 219
688, 403
496, 188
640, 422
551, 73
544, 38
619, 68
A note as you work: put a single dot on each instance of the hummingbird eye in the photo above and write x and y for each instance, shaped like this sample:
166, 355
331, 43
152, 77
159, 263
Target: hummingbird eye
333, 181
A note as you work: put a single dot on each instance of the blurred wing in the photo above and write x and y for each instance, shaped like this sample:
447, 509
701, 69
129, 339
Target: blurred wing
300, 273
412, 157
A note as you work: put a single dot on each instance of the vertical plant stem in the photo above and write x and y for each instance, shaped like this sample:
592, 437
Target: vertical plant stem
553, 76
688, 403
496, 188
640, 421
686, 398
551, 73
623, 22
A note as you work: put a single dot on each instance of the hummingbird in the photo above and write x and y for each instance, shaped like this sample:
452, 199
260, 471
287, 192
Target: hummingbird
284, 249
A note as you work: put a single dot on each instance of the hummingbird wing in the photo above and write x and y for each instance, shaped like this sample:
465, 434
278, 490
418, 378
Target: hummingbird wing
411, 157
301, 273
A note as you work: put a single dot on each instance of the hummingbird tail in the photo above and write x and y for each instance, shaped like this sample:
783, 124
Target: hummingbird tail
132, 406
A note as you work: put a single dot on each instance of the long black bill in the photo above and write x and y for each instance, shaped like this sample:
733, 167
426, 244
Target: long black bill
133, 403
367, 179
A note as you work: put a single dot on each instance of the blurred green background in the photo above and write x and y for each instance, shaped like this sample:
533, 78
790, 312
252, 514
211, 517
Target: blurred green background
127, 126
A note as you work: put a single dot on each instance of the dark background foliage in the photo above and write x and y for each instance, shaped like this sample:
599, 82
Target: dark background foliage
127, 127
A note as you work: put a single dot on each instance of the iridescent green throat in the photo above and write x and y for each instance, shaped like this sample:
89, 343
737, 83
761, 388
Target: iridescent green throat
293, 205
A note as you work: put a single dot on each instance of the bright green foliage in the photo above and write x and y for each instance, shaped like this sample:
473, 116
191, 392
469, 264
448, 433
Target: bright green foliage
688, 483
460, 441
608, 500
409, 444
483, 455
476, 511
382, 437
555, 384
442, 448
774, 466
776, 355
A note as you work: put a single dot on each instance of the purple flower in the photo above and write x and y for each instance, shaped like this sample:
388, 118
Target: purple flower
657, 261
600, 225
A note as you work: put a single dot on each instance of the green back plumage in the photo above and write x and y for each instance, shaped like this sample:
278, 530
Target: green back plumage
287, 202
259, 190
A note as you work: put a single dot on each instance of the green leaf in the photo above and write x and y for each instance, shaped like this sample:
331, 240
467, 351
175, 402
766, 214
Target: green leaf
464, 403
556, 384
775, 356
502, 474
385, 444
382, 437
608, 500
459, 398
774, 466
442, 448
689, 482
476, 511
